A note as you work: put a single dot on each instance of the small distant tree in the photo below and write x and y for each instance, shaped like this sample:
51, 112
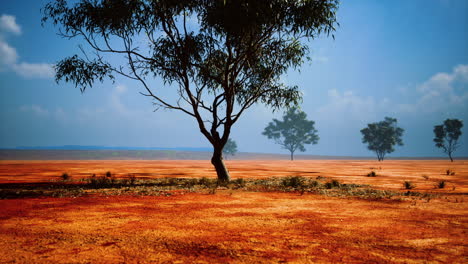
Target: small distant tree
382, 136
230, 148
447, 134
293, 132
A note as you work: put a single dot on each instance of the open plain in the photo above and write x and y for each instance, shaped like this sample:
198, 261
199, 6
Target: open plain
425, 224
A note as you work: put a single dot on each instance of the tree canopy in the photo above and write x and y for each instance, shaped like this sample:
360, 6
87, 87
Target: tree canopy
381, 137
447, 134
294, 132
220, 56
230, 148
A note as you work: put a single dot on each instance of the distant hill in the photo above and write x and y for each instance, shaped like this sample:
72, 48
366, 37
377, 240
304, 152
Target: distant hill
87, 153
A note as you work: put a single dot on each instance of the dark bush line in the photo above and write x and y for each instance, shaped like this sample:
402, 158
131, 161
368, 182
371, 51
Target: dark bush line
107, 184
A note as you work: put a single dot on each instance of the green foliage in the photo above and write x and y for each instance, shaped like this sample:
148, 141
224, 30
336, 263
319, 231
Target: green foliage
294, 132
293, 182
230, 148
332, 184
447, 135
382, 136
408, 185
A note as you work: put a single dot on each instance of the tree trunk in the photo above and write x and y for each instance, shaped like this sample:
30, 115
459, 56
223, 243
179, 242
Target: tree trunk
218, 163
292, 155
450, 156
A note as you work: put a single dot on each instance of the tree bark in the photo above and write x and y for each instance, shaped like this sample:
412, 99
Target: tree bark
218, 163
292, 155
450, 156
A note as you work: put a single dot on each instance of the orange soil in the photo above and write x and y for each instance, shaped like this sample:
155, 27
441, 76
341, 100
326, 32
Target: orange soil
237, 226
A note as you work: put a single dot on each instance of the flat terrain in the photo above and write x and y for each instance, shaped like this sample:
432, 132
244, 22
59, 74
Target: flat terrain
239, 225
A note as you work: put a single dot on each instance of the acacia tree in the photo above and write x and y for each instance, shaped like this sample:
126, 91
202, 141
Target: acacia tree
229, 57
293, 132
447, 134
382, 136
230, 148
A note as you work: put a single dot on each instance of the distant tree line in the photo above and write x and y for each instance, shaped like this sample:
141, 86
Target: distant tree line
295, 131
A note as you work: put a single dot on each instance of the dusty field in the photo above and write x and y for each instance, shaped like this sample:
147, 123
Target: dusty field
238, 226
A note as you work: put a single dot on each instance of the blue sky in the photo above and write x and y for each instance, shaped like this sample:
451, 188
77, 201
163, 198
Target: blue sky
406, 59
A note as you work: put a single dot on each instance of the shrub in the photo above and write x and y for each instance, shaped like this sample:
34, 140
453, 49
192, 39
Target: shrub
206, 182
132, 179
314, 184
441, 184
335, 183
293, 182
103, 181
65, 177
371, 174
450, 172
425, 177
408, 185
191, 182
332, 184
240, 183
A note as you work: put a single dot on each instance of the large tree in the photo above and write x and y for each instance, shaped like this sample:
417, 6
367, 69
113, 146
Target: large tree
220, 56
447, 134
381, 137
293, 132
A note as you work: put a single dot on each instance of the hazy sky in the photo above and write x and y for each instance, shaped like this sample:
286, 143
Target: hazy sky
406, 59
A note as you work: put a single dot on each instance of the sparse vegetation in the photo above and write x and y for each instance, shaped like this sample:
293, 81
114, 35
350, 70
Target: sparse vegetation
108, 184
425, 177
409, 185
65, 177
441, 184
293, 182
450, 172
372, 174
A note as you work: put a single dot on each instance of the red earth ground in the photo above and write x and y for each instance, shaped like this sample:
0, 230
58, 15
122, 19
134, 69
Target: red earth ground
238, 226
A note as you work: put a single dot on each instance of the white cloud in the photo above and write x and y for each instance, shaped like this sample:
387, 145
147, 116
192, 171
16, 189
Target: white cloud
320, 59
9, 56
348, 106
60, 115
443, 92
35, 109
34, 70
115, 101
8, 24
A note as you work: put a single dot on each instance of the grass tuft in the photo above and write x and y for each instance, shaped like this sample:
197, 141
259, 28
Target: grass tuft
409, 185
441, 184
